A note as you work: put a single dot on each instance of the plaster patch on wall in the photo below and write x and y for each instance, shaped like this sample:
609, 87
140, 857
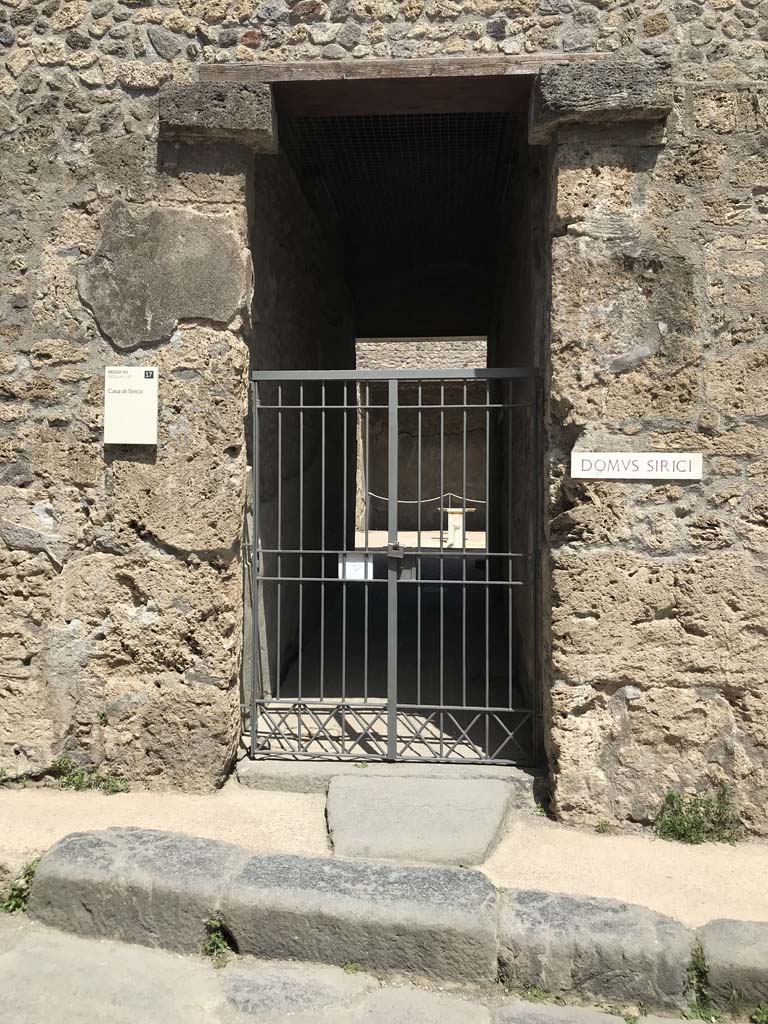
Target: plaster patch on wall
154, 269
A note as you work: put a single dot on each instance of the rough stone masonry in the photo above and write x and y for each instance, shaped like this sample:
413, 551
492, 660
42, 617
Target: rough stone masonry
121, 610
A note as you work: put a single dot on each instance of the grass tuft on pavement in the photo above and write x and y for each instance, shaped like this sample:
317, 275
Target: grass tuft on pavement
18, 895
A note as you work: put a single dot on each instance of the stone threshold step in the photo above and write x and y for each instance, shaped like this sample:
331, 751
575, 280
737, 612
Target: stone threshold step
439, 923
314, 776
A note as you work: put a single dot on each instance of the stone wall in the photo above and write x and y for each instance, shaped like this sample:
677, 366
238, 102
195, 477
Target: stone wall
420, 354
120, 618
121, 612
659, 591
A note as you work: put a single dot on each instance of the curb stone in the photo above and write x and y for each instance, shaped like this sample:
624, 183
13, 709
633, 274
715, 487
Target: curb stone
159, 889
135, 885
599, 947
436, 922
736, 954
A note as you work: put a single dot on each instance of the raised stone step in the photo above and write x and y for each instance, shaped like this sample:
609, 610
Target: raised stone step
433, 820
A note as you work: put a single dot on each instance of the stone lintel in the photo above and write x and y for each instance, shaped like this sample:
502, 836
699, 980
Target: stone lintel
243, 113
598, 93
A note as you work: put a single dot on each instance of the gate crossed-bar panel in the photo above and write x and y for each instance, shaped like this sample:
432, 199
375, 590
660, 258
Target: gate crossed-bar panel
394, 568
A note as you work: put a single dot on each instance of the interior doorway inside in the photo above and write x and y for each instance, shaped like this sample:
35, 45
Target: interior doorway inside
396, 442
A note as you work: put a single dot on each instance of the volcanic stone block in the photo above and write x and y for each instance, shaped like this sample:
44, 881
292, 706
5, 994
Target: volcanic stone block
602, 948
136, 885
519, 1011
434, 922
408, 1006
238, 113
438, 821
598, 93
290, 988
156, 268
736, 953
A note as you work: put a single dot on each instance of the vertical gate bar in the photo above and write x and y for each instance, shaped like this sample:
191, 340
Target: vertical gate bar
345, 431
278, 660
487, 562
322, 540
301, 545
392, 491
367, 484
536, 426
442, 587
464, 548
418, 468
255, 542
418, 545
509, 529
365, 512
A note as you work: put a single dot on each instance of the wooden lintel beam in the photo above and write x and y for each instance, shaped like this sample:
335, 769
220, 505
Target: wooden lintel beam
439, 67
400, 96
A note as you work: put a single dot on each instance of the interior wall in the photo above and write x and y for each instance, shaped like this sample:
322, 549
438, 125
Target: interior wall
422, 478
302, 320
518, 336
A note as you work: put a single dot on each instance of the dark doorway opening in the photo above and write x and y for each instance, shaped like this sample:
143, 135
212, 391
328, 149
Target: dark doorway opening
391, 621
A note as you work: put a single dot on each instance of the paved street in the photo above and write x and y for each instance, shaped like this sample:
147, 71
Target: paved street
49, 977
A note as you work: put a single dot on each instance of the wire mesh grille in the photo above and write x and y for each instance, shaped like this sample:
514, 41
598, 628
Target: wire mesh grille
411, 196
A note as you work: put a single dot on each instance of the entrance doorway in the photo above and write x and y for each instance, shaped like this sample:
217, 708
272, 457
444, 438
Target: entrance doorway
396, 512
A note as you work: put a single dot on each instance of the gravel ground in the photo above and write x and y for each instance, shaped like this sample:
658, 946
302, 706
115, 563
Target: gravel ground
31, 820
693, 884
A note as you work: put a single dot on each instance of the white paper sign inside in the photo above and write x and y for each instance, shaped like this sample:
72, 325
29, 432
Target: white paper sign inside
355, 567
130, 405
637, 465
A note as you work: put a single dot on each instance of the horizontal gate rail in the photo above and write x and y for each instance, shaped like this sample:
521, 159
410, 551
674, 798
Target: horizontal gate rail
307, 376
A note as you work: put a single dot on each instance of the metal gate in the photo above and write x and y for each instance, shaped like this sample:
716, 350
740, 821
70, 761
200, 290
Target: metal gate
394, 569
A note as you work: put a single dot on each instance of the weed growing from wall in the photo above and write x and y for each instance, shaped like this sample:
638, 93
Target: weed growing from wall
69, 775
699, 818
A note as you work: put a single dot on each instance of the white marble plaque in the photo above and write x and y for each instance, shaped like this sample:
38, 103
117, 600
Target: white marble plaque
637, 465
130, 405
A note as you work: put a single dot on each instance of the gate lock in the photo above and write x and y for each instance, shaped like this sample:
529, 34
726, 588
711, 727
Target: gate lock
394, 551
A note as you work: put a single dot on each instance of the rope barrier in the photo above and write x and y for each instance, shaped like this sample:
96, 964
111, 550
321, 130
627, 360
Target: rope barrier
423, 501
